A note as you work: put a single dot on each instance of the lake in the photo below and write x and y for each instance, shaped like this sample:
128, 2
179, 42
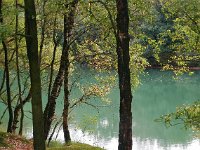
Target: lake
159, 93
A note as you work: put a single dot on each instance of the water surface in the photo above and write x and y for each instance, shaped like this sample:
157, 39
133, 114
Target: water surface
158, 94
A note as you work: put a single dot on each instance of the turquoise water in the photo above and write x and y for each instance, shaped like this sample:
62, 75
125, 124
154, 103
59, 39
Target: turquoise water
158, 94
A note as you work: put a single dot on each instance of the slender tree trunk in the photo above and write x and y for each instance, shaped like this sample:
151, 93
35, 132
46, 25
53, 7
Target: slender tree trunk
18, 71
3, 81
53, 58
51, 104
66, 83
17, 112
32, 52
50, 107
43, 25
68, 25
9, 128
53, 92
125, 124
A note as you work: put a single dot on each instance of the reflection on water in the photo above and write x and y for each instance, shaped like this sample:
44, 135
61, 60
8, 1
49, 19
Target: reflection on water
138, 143
158, 94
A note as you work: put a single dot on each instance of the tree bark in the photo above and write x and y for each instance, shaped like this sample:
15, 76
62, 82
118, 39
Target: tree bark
50, 107
66, 81
18, 71
55, 41
43, 25
3, 81
68, 25
9, 103
125, 124
17, 112
32, 52
51, 104
7, 77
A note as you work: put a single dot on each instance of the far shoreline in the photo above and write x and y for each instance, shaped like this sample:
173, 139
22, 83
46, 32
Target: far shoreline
160, 67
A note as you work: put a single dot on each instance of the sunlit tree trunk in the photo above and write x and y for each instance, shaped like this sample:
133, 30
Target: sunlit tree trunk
32, 52
125, 124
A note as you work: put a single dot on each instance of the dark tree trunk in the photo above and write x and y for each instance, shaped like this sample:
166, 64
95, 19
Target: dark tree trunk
56, 86
18, 72
3, 81
43, 25
68, 25
125, 124
66, 82
53, 91
32, 52
17, 112
9, 103
55, 41
50, 107
9, 128
51, 104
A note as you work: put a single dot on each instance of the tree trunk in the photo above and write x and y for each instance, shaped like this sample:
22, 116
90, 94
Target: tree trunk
3, 81
51, 104
17, 112
66, 97
32, 52
55, 41
9, 103
18, 71
9, 128
50, 107
66, 82
43, 25
68, 25
125, 124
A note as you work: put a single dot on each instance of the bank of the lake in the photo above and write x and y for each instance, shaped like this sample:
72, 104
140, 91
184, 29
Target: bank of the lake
15, 142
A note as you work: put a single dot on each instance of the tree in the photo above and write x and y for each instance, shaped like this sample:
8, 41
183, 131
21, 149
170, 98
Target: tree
7, 76
122, 39
18, 70
61, 76
32, 52
68, 25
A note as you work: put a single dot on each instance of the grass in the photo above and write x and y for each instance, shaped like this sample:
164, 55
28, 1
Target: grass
2, 141
71, 146
54, 145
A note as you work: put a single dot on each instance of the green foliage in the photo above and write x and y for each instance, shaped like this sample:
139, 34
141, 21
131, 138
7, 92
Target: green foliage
187, 32
187, 115
171, 35
88, 123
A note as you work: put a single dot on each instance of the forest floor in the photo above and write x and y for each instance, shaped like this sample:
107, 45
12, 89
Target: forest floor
15, 142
